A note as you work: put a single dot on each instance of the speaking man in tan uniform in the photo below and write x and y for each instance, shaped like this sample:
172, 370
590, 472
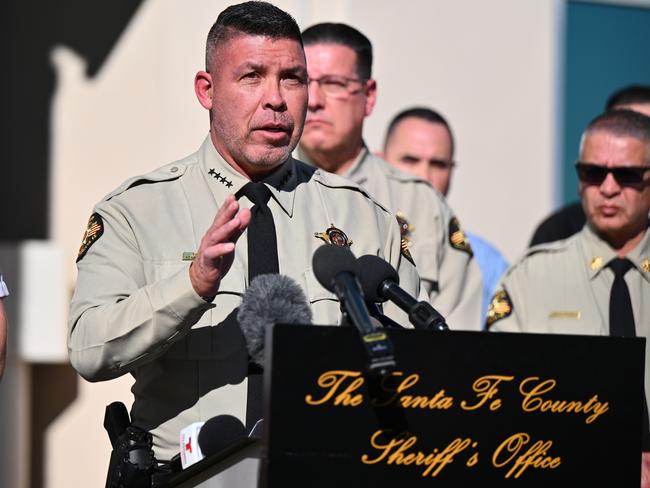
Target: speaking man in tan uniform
166, 256
598, 280
342, 94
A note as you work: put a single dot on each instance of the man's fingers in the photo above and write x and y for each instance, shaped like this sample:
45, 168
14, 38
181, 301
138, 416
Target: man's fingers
226, 212
244, 217
218, 250
224, 232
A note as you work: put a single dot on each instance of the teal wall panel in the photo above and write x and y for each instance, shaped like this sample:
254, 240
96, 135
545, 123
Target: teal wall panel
607, 47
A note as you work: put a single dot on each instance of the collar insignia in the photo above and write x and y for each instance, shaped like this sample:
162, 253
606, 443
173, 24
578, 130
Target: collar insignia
405, 228
94, 231
645, 265
457, 237
334, 236
220, 178
596, 263
500, 307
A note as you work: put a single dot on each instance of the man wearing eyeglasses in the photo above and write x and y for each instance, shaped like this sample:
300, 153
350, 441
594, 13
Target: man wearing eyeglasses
596, 282
342, 94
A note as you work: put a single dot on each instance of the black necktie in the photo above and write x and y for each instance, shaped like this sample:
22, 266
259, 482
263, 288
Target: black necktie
621, 323
262, 241
621, 317
262, 259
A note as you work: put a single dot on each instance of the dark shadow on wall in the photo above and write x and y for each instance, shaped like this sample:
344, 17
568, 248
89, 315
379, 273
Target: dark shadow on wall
29, 29
54, 387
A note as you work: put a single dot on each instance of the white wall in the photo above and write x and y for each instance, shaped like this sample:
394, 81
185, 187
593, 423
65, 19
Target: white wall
489, 66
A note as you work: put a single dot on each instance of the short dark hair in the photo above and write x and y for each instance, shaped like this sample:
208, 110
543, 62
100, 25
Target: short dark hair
253, 18
423, 113
628, 95
332, 33
623, 123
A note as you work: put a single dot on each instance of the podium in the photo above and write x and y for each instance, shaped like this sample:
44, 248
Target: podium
460, 409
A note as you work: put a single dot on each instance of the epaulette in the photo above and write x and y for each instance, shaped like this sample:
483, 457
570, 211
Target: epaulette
168, 172
543, 248
394, 173
332, 180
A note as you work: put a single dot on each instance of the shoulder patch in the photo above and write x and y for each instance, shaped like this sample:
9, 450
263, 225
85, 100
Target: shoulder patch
94, 231
169, 172
500, 307
457, 238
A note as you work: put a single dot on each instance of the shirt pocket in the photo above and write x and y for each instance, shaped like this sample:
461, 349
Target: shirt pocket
324, 304
216, 336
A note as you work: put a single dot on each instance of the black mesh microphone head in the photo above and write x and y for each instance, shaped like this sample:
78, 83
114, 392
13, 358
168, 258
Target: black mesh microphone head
220, 432
330, 260
373, 271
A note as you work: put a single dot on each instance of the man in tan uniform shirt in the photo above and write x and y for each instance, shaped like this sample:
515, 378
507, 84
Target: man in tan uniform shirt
564, 287
341, 95
164, 259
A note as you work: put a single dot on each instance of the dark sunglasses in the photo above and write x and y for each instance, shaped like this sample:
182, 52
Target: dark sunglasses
595, 174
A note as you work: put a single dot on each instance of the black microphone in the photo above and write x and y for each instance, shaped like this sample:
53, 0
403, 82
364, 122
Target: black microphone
336, 269
219, 433
270, 299
380, 282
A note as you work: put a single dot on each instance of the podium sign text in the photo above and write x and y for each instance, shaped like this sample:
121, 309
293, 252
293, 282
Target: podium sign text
460, 409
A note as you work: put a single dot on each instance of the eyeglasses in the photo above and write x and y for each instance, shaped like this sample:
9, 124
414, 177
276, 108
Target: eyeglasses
595, 174
336, 86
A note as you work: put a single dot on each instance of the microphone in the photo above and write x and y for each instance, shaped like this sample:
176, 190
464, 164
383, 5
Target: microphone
270, 299
380, 282
202, 439
336, 269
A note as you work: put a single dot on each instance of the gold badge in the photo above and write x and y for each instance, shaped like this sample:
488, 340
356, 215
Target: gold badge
335, 236
645, 265
596, 263
404, 249
405, 228
500, 307
457, 237
94, 231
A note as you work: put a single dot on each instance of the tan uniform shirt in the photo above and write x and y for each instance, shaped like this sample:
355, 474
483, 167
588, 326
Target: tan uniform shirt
563, 287
440, 249
134, 309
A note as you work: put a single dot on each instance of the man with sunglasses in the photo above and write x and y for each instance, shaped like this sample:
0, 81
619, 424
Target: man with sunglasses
342, 94
569, 219
596, 282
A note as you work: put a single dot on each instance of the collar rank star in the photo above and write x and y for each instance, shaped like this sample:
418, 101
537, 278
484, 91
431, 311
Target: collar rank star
645, 265
334, 236
405, 229
596, 263
457, 237
221, 179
